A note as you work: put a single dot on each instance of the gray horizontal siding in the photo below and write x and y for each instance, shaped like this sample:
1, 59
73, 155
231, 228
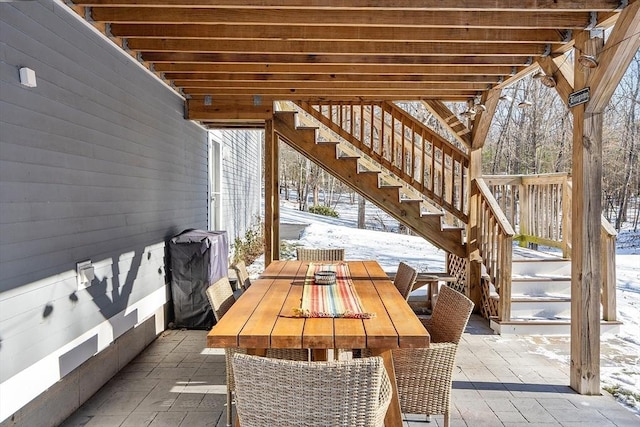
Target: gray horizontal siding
241, 180
96, 162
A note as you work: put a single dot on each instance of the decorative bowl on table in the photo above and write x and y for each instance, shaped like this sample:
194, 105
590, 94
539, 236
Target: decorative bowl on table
325, 278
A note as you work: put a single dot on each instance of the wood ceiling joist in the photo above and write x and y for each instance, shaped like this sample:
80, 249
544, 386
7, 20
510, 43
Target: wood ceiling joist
332, 86
236, 77
291, 59
336, 33
334, 47
489, 5
332, 69
338, 93
533, 18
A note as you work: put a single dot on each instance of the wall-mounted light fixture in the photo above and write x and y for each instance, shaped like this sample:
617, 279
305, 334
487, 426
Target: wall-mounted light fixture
85, 274
587, 61
548, 81
525, 104
27, 77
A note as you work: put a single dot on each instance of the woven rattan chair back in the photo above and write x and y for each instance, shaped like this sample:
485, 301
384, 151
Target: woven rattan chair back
220, 296
312, 254
272, 392
450, 316
243, 275
424, 375
405, 278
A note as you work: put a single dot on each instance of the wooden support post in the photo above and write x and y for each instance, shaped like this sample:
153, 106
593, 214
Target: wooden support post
586, 275
275, 237
474, 264
269, 161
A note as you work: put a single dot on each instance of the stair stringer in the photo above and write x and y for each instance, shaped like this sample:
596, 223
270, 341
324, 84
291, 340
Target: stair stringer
366, 183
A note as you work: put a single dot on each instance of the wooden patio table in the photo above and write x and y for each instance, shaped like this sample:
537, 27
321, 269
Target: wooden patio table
263, 318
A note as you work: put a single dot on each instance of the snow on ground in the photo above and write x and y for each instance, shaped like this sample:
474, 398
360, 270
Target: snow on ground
620, 353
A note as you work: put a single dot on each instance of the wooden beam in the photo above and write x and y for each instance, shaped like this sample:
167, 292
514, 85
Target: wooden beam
357, 47
303, 58
336, 33
399, 94
228, 109
332, 86
482, 120
263, 77
586, 274
329, 69
449, 120
531, 18
492, 5
623, 43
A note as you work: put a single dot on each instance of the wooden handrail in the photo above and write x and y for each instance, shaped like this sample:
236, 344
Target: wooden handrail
494, 243
539, 209
438, 169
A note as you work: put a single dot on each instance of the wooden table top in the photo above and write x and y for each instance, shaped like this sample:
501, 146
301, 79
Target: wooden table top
261, 318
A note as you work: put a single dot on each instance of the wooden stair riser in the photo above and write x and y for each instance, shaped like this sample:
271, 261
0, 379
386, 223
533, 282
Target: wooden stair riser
367, 185
540, 287
542, 309
538, 267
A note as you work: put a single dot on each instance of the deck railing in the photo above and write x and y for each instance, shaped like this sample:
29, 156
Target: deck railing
396, 140
538, 207
494, 242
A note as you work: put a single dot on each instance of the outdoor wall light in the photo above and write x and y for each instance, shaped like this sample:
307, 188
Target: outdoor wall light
27, 77
525, 104
587, 61
505, 98
548, 81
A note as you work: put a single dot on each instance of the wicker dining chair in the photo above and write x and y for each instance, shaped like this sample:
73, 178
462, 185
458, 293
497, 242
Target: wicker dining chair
424, 375
221, 297
272, 392
313, 254
243, 275
404, 279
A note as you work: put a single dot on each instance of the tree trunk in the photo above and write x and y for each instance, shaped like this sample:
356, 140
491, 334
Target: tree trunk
361, 219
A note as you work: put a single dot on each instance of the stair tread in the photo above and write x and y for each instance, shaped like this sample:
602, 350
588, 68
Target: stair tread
549, 320
536, 298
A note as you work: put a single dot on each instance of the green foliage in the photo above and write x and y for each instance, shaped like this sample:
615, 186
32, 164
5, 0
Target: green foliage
288, 250
250, 247
323, 210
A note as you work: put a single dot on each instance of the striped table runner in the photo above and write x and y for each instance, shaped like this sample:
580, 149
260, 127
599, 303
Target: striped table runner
339, 300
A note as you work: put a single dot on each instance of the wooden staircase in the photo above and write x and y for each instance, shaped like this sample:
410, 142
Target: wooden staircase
541, 298
367, 183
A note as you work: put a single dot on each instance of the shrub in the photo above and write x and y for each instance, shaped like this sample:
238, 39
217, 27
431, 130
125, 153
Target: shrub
250, 247
323, 210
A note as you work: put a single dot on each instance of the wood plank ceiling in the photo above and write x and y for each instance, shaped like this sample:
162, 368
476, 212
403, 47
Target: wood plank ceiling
232, 58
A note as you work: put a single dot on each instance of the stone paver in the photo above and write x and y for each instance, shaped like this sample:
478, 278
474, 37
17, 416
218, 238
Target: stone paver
498, 381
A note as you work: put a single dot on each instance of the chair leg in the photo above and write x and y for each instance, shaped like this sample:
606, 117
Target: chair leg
229, 409
446, 419
428, 418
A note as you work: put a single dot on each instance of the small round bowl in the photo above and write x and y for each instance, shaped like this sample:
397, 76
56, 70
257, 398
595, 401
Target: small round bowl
325, 278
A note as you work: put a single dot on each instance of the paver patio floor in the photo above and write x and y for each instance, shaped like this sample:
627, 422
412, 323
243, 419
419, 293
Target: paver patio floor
499, 381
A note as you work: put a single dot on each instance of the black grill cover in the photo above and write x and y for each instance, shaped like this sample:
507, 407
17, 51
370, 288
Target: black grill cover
198, 259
